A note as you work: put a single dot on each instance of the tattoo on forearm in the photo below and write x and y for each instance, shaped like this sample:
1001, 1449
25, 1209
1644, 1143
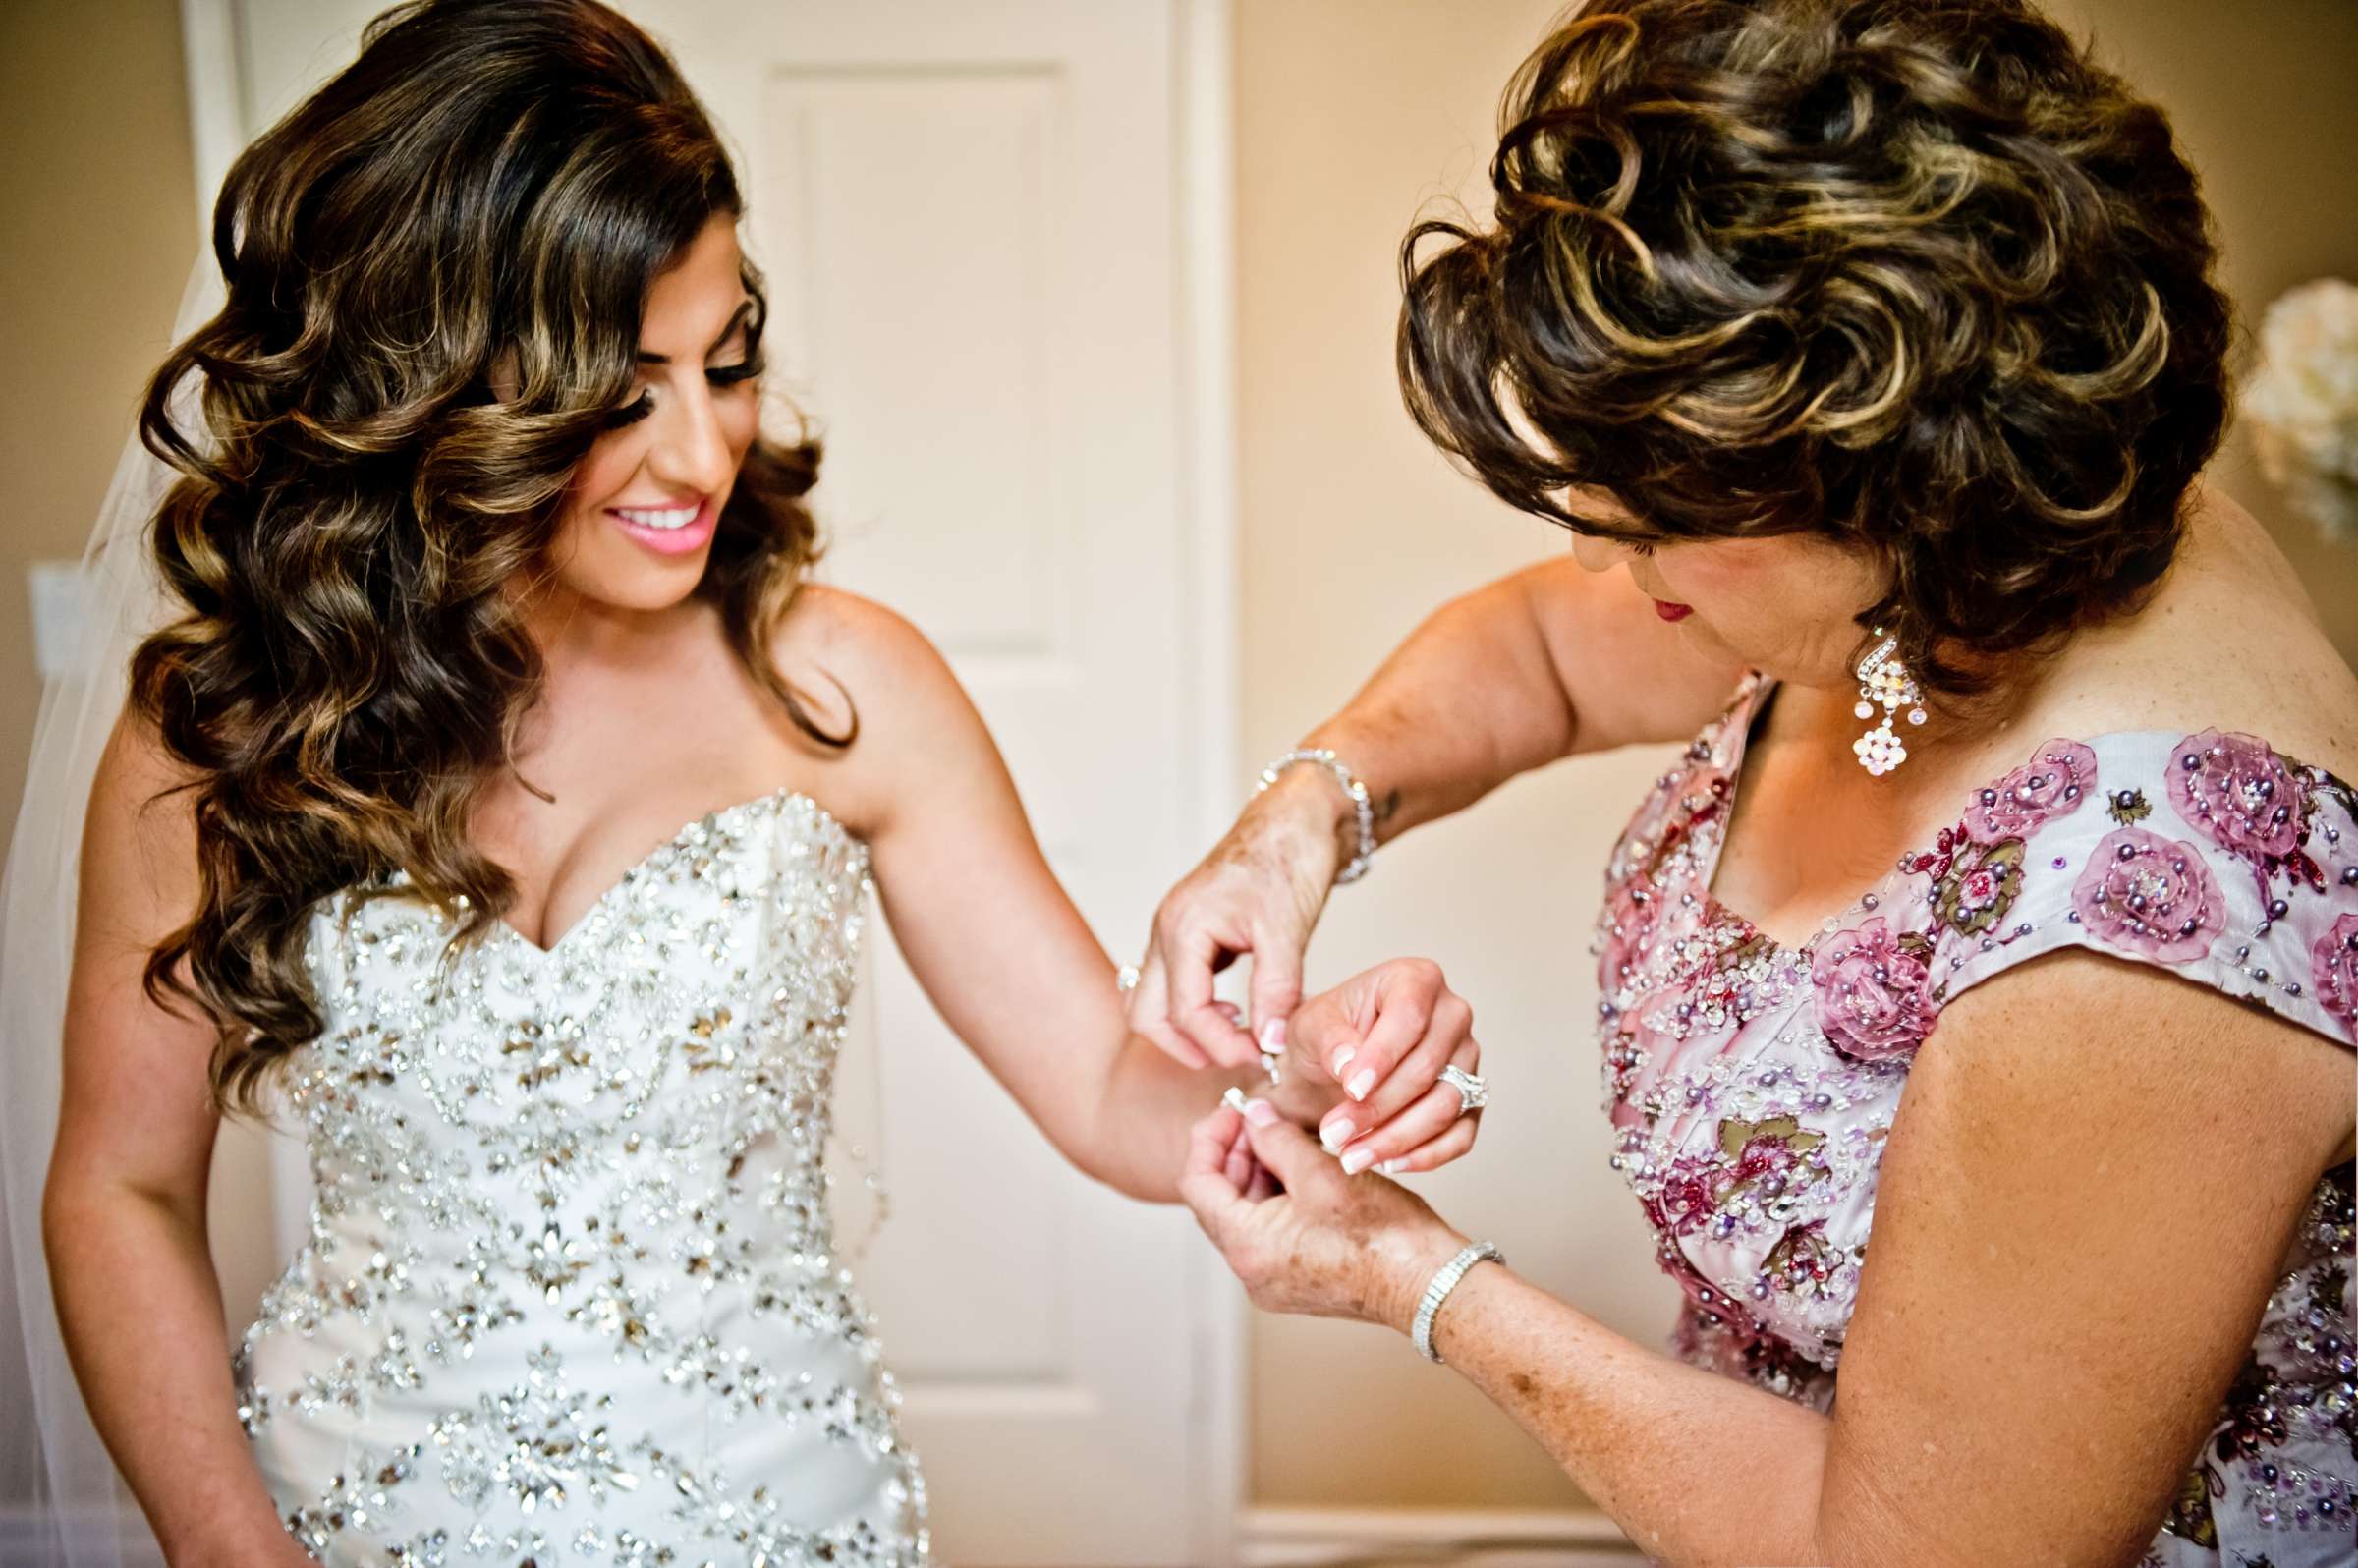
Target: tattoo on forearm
1387, 808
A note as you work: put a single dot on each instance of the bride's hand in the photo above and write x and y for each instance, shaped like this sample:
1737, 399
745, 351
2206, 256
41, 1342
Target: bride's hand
1384, 1036
1260, 892
1303, 1236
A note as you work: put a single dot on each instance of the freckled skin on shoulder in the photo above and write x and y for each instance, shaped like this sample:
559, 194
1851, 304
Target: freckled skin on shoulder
2229, 642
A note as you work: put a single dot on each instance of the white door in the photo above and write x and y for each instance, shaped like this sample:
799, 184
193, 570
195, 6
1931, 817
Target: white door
987, 232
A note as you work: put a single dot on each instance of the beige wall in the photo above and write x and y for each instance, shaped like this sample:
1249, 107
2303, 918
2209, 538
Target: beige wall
1351, 114
97, 228
1350, 118
2264, 97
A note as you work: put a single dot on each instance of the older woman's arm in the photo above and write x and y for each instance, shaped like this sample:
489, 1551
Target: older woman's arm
1549, 661
2087, 1195
1536, 666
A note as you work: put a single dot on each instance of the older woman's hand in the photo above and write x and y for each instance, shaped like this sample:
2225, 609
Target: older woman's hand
1259, 892
1303, 1236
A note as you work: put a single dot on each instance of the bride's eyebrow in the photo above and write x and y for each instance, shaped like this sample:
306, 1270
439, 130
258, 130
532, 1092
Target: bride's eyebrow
743, 310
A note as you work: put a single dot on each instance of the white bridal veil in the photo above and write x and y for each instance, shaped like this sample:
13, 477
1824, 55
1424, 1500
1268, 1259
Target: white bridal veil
62, 1504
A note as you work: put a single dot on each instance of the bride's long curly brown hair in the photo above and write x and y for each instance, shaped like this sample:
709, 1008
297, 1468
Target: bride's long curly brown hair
491, 181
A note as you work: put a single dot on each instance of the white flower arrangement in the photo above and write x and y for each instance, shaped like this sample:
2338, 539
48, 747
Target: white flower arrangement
2302, 402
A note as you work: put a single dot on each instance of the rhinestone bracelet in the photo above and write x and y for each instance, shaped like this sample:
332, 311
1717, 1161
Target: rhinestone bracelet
1351, 787
1420, 1334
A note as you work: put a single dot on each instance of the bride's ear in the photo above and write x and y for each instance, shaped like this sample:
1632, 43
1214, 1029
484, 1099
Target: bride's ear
505, 375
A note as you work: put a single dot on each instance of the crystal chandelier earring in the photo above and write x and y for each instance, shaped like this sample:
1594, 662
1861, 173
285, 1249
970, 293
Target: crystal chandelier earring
1884, 680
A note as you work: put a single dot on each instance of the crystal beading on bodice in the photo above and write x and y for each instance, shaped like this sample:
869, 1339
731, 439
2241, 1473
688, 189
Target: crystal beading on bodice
570, 1287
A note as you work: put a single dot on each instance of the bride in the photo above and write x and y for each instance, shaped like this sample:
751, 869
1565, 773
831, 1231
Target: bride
480, 578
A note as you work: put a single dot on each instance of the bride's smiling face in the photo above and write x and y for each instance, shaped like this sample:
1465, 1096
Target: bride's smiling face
642, 508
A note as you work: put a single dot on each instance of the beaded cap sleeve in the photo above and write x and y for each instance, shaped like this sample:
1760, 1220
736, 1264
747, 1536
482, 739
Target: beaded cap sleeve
1753, 1085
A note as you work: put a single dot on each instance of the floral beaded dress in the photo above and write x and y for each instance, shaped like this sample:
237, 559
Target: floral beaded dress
570, 1292
1751, 1085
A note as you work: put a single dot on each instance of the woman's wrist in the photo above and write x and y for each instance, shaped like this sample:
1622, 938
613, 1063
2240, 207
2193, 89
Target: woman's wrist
1415, 1256
1313, 820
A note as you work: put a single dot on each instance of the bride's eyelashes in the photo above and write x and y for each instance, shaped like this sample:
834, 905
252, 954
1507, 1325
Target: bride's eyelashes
723, 377
747, 369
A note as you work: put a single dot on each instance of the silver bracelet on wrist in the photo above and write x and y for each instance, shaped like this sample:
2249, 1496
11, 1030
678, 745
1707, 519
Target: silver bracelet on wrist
1456, 1269
1360, 803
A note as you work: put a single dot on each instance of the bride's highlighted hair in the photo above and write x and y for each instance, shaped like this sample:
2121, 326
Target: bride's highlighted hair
490, 180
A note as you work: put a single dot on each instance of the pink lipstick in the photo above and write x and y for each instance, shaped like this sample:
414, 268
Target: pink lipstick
659, 529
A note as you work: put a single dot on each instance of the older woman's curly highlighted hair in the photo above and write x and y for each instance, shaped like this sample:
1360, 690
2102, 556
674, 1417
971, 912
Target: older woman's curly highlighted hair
490, 180
1916, 276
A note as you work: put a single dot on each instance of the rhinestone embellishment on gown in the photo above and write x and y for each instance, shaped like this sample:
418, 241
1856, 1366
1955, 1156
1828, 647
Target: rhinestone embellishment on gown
570, 1291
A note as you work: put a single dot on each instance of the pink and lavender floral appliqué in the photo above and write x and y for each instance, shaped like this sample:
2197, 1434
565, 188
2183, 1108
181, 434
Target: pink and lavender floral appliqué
1753, 1086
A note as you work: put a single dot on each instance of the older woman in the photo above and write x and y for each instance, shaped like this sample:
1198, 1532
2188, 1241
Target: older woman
2004, 905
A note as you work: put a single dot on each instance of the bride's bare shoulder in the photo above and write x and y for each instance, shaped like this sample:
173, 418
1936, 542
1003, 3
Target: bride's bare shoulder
138, 841
139, 779
863, 663
878, 655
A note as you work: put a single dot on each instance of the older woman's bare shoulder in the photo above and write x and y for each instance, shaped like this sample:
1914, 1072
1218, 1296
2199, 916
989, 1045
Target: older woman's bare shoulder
2231, 641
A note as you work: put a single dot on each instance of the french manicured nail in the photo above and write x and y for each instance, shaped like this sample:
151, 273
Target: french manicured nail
1391, 1168
1358, 1087
1261, 1113
1273, 1037
1342, 1059
1335, 1134
1234, 1100
1358, 1160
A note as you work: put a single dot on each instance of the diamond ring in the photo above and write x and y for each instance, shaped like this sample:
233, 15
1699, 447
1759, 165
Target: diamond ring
1125, 979
1471, 1088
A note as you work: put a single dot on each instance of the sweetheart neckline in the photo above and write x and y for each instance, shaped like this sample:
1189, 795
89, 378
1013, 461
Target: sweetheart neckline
784, 794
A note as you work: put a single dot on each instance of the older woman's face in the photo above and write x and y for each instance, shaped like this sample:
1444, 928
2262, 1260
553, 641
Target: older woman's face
1787, 605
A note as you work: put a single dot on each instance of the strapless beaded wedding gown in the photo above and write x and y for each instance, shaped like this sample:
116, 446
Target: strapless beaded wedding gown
571, 1292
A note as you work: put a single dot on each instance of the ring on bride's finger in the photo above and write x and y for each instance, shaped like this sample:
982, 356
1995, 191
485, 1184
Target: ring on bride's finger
1125, 979
1471, 1088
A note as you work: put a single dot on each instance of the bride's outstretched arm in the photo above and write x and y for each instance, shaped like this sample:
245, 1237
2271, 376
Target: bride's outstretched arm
1003, 953
123, 1212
